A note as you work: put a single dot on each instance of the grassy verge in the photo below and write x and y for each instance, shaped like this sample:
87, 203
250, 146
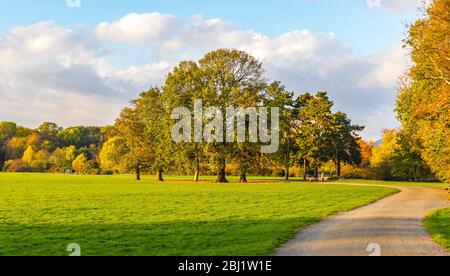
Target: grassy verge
438, 225
394, 183
40, 214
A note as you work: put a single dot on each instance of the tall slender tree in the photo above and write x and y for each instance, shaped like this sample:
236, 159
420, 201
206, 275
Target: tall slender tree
313, 130
344, 141
278, 96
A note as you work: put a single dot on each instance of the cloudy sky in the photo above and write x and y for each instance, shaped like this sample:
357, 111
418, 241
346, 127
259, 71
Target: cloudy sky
80, 65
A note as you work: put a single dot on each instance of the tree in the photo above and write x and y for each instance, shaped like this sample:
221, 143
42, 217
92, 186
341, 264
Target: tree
145, 129
366, 152
182, 88
229, 78
129, 126
344, 141
79, 164
221, 79
15, 147
153, 114
278, 96
423, 104
62, 158
313, 131
406, 161
7, 130
41, 161
28, 155
81, 136
49, 129
113, 153
382, 155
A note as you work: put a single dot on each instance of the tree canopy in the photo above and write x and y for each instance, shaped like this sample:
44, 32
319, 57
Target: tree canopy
423, 104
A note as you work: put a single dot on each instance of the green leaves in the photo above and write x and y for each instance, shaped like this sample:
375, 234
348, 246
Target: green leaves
423, 104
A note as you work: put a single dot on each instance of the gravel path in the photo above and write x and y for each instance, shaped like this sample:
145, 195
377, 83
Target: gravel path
390, 227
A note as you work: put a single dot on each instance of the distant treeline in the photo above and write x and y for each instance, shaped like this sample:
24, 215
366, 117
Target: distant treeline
50, 148
92, 150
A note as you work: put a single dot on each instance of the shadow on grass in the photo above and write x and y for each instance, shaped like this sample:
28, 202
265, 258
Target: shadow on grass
217, 238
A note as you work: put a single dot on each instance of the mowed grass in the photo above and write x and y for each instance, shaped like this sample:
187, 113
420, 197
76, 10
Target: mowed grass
40, 214
394, 183
438, 225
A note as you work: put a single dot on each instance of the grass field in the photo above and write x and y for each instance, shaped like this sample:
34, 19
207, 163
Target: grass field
379, 182
40, 214
438, 225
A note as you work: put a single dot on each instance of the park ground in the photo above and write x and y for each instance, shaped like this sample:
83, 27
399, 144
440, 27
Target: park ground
40, 214
438, 225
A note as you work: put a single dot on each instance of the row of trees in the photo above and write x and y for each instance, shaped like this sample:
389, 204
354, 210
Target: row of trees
392, 158
313, 138
423, 104
311, 134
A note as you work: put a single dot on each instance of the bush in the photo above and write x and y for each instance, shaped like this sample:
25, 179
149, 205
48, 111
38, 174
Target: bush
351, 172
19, 165
279, 173
91, 167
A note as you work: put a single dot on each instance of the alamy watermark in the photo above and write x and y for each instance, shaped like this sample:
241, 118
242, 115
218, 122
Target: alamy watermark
213, 125
374, 249
74, 249
73, 3
374, 3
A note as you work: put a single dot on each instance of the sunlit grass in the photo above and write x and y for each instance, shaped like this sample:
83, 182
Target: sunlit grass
40, 214
438, 225
398, 183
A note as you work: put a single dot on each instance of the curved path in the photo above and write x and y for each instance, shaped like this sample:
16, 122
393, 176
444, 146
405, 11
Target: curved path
393, 225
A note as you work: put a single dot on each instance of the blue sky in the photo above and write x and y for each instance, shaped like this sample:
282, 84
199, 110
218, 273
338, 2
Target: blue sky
365, 29
89, 62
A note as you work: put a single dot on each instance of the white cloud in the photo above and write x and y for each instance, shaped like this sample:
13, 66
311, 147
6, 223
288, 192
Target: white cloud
50, 73
395, 5
144, 74
401, 5
388, 66
364, 87
136, 27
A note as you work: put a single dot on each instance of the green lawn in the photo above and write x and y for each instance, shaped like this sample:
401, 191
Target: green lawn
394, 183
40, 214
438, 225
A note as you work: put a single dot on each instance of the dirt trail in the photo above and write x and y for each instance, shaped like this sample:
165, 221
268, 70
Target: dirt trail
394, 223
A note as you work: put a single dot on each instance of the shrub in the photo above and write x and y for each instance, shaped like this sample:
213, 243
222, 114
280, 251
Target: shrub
19, 165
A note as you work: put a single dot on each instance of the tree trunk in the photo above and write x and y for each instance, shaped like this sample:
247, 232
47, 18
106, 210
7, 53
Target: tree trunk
243, 178
415, 172
221, 176
138, 172
288, 158
305, 170
197, 170
316, 173
2, 160
338, 165
159, 176
286, 173
197, 176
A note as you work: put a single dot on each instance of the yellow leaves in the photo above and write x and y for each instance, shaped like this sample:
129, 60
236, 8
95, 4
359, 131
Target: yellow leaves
383, 153
424, 102
366, 151
28, 155
113, 153
79, 163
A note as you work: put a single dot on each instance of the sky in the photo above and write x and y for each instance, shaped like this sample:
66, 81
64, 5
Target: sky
79, 62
